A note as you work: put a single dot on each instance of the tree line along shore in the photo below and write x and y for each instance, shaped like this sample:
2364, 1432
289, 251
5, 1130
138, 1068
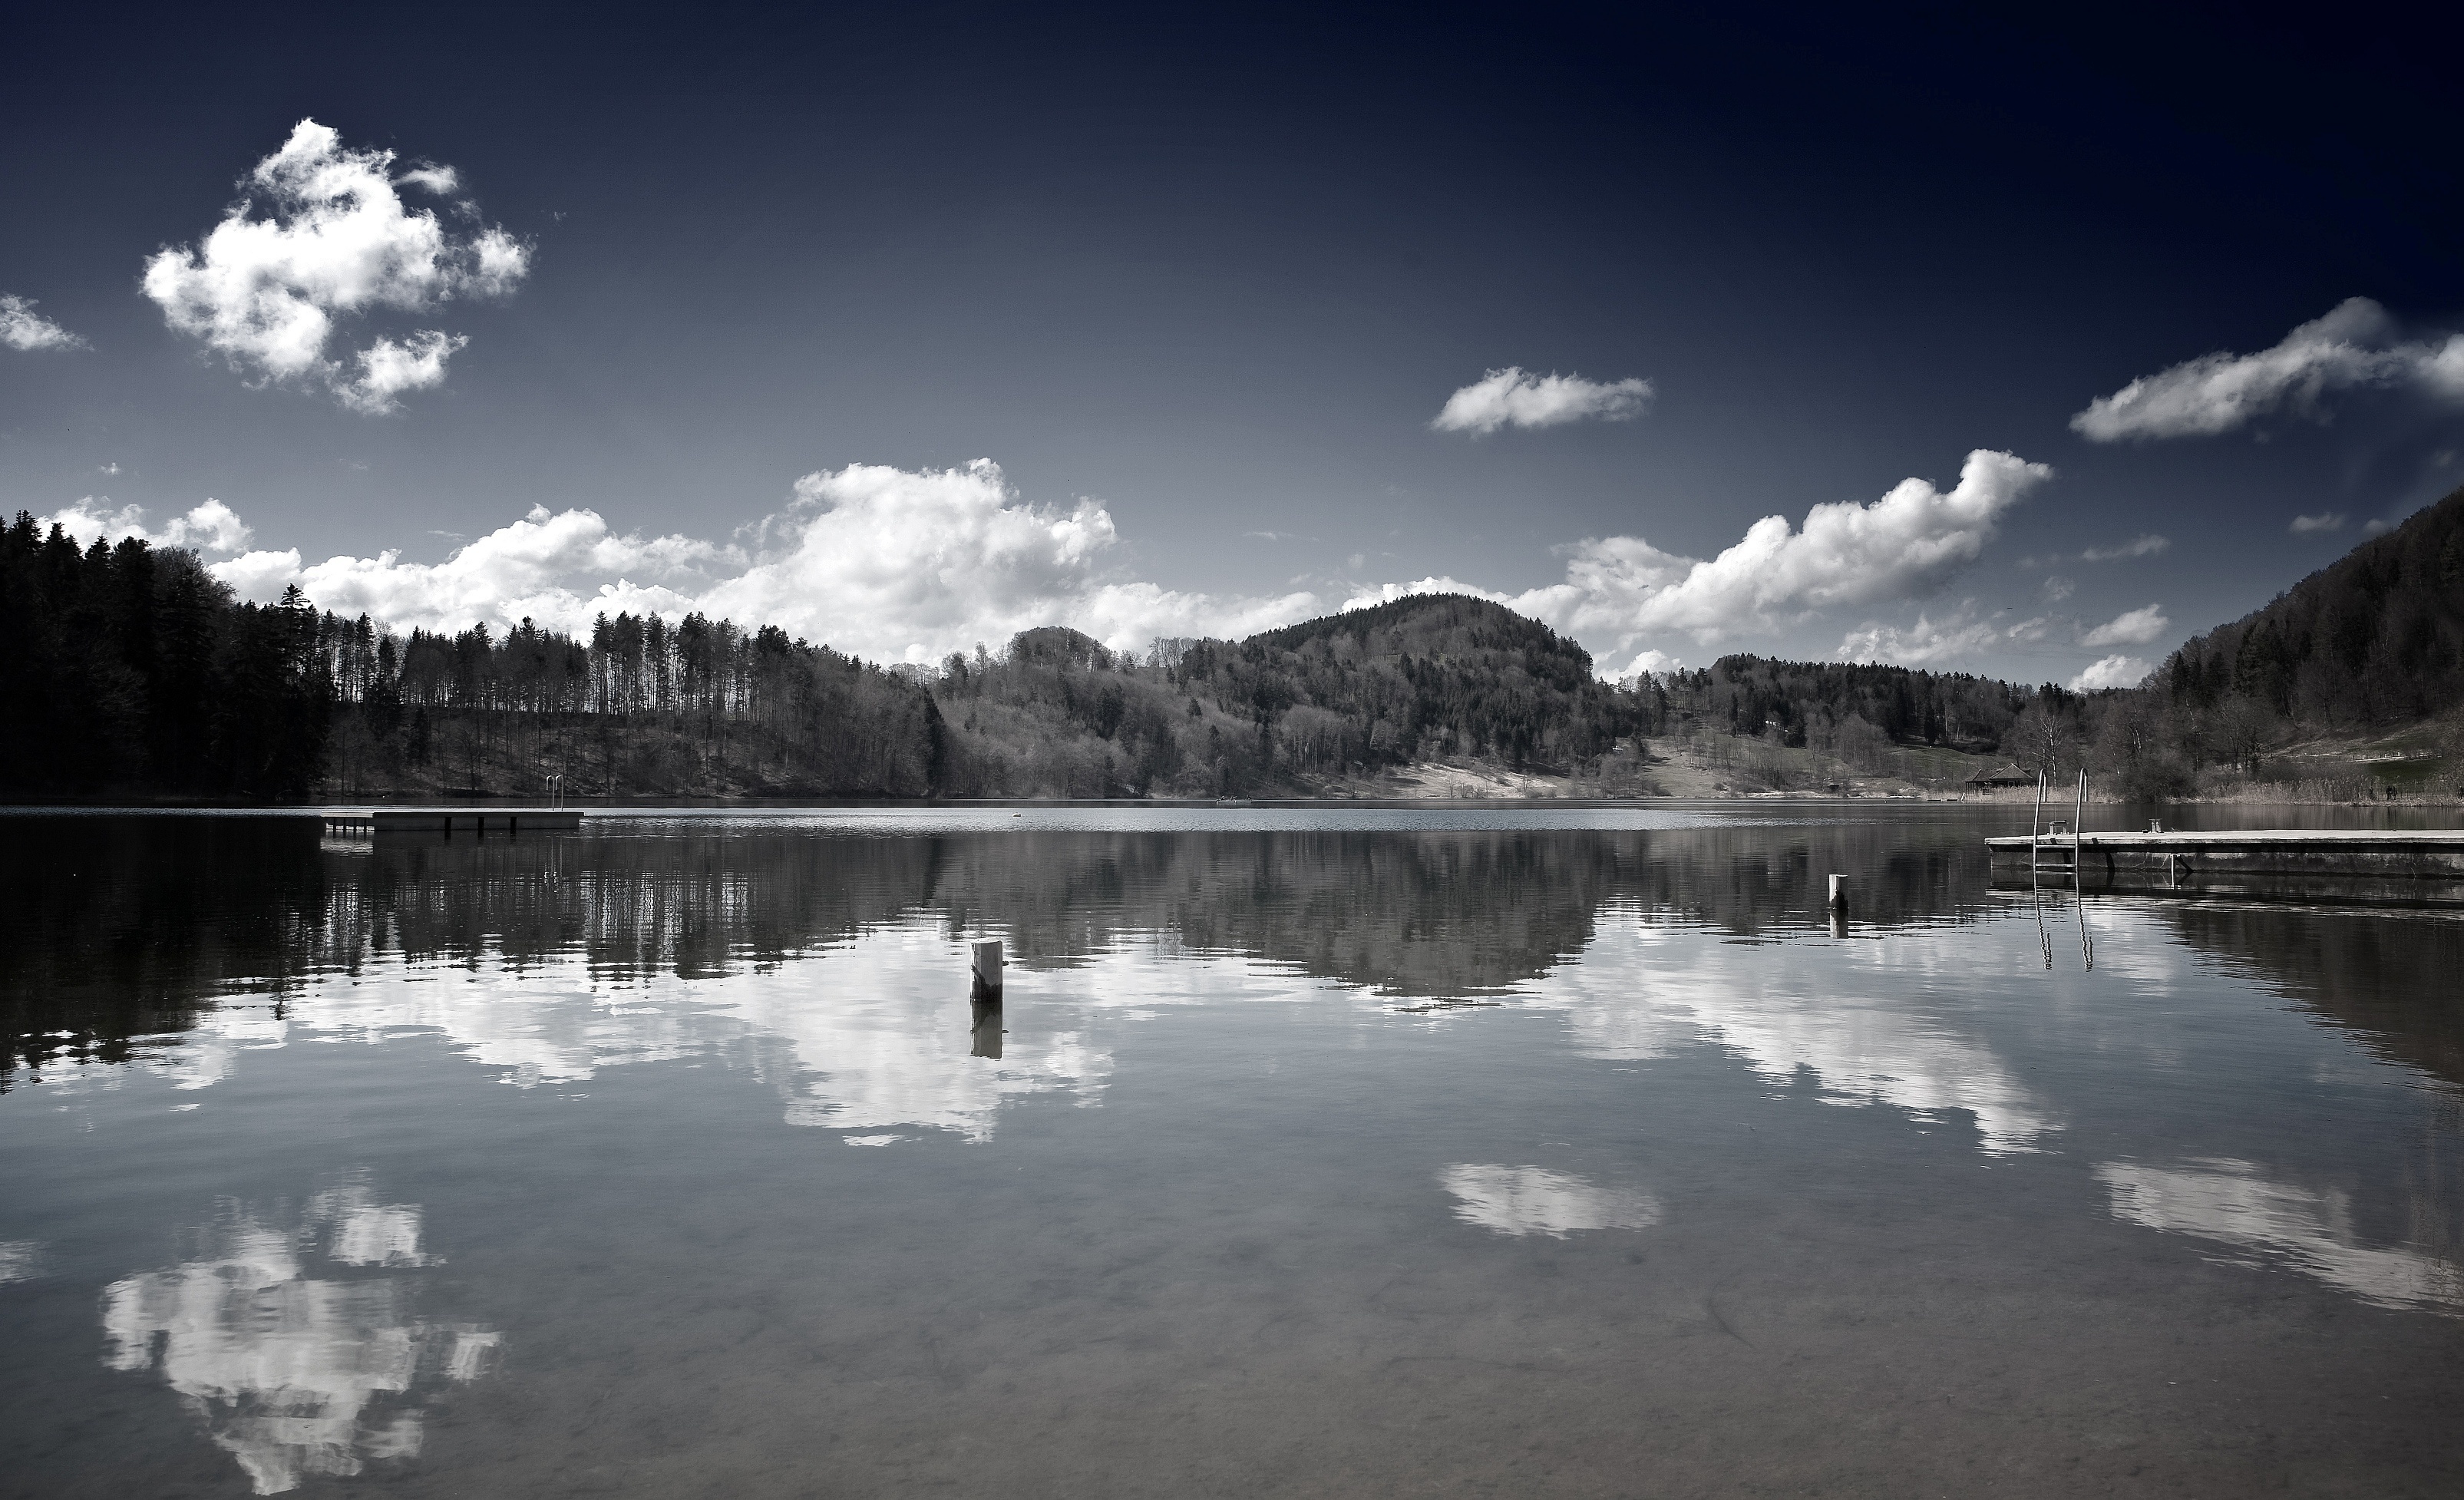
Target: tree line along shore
135, 676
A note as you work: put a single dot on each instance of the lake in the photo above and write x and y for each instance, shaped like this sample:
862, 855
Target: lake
1340, 1151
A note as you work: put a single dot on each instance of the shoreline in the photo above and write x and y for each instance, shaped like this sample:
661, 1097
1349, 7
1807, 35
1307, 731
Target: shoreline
515, 803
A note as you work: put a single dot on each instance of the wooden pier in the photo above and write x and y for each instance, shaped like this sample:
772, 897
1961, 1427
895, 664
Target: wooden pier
456, 821
2327, 864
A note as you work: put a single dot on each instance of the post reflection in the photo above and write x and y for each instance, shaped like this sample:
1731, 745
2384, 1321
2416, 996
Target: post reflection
985, 1031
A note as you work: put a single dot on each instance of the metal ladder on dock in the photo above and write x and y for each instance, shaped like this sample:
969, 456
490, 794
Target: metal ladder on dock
2036, 840
2035, 854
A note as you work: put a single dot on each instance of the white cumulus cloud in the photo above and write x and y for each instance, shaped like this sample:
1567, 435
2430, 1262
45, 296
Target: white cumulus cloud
2354, 345
387, 369
335, 240
1956, 637
1513, 397
1903, 546
1963, 635
211, 526
21, 327
2147, 545
889, 564
1622, 596
2111, 671
2132, 627
2325, 521
1644, 663
910, 565
1435, 583
528, 569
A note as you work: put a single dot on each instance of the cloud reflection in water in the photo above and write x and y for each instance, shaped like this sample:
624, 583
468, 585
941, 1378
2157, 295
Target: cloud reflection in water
1532, 1200
2233, 1203
291, 1374
865, 1048
1644, 990
869, 1049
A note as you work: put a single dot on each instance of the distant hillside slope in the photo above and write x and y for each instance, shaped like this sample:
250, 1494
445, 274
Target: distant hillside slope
1439, 674
2375, 638
1436, 673
1809, 703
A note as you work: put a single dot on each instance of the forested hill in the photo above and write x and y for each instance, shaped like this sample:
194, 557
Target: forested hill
1820, 703
130, 672
1351, 693
133, 673
2375, 638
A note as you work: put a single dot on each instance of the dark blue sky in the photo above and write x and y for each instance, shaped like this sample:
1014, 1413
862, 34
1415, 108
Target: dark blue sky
1218, 275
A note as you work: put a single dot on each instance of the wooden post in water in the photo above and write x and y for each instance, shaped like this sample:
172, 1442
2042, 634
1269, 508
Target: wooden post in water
2033, 819
1838, 901
986, 968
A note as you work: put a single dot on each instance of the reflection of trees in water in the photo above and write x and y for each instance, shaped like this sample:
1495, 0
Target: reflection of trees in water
693, 906
1442, 912
1419, 914
117, 928
1747, 879
122, 927
1422, 911
2392, 979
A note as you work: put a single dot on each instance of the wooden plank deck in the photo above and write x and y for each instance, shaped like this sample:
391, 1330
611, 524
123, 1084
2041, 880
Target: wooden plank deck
456, 821
2367, 865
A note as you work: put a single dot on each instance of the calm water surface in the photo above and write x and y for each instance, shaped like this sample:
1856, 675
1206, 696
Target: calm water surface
1345, 1153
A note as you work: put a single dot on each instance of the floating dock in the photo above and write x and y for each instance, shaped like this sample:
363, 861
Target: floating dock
456, 821
2324, 864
